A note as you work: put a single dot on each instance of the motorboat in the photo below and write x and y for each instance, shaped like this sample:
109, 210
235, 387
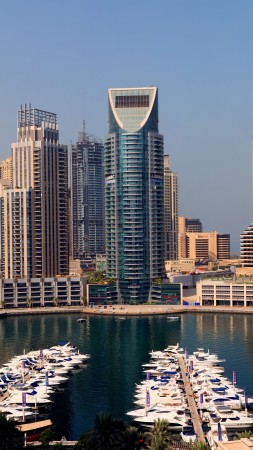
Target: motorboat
175, 422
81, 320
232, 420
188, 434
216, 434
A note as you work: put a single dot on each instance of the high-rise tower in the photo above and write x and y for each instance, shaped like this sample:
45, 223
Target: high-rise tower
36, 208
170, 211
134, 195
87, 196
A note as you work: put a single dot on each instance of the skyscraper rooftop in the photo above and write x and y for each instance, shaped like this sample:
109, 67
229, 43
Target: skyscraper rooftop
28, 116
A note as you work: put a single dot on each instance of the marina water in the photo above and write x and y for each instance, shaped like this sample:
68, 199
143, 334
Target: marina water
118, 348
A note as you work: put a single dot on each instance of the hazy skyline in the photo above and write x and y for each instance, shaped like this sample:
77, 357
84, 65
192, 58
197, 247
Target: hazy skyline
62, 57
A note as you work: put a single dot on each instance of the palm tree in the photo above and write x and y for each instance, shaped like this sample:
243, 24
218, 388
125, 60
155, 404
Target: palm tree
10, 437
247, 434
159, 438
131, 439
200, 446
106, 435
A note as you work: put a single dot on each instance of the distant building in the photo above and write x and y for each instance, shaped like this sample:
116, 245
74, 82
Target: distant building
207, 246
186, 225
134, 193
184, 265
87, 197
223, 246
170, 211
246, 243
6, 169
202, 246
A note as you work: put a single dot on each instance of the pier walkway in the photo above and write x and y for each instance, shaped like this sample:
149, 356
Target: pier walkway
191, 402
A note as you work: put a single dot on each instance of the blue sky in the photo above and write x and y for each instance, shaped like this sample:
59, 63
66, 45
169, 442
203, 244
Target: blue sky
62, 56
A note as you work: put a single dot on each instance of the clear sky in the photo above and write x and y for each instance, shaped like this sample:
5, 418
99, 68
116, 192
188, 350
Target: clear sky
62, 55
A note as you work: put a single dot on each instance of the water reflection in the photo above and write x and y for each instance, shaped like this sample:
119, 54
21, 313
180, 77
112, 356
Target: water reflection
118, 349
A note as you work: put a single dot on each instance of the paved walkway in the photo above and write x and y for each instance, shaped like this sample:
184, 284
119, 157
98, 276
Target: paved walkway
191, 402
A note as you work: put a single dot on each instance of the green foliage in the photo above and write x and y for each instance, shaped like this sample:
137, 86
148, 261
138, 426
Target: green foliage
10, 437
46, 436
99, 278
200, 446
159, 438
158, 281
56, 301
247, 434
109, 434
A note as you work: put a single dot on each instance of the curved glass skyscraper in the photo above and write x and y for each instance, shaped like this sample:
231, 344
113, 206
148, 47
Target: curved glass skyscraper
134, 193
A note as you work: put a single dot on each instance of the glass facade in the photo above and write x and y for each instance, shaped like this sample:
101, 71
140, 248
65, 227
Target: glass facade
167, 294
134, 198
87, 198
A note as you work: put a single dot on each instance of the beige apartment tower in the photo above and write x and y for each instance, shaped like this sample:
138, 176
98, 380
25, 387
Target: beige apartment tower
36, 208
186, 225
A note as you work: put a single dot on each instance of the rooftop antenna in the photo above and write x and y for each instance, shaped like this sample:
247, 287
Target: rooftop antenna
82, 134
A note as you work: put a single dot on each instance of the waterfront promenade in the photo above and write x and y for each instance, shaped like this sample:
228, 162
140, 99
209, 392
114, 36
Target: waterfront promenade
135, 310
126, 310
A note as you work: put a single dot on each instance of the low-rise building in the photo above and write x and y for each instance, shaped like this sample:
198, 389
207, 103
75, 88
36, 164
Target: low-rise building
184, 265
39, 292
225, 293
102, 294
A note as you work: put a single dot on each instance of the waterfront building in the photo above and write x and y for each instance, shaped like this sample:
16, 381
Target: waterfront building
36, 209
102, 294
87, 197
4, 184
17, 233
39, 292
246, 244
170, 211
167, 293
134, 193
225, 293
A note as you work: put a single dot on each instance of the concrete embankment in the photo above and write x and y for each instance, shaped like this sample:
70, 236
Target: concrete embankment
126, 310
136, 310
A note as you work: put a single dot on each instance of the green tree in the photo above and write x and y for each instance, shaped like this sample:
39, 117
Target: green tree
10, 437
56, 301
159, 438
247, 434
106, 434
46, 436
99, 278
200, 446
131, 439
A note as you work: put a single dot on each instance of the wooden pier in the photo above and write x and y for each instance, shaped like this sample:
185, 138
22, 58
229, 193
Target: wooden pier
196, 420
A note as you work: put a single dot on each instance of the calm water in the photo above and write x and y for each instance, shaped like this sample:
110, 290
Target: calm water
118, 348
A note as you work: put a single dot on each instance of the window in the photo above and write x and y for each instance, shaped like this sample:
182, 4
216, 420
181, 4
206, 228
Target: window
132, 101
